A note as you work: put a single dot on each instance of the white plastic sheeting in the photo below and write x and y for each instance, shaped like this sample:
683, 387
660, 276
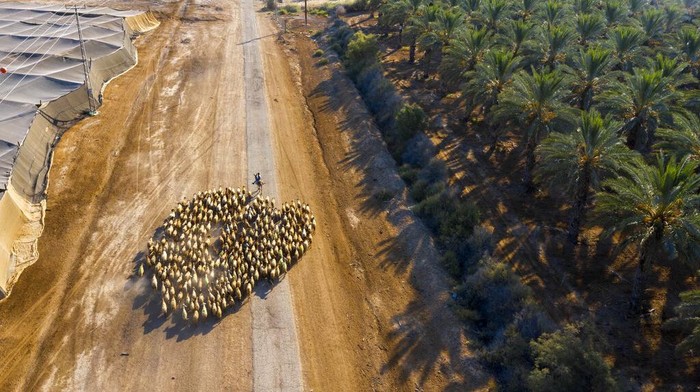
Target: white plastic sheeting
41, 95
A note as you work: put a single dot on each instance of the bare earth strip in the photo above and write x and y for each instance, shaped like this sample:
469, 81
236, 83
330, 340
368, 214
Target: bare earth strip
276, 362
177, 124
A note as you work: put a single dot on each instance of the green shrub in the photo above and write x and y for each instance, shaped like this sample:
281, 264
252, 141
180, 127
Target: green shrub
383, 195
509, 354
340, 39
290, 9
418, 151
379, 94
495, 295
270, 5
362, 5
451, 264
322, 62
408, 173
435, 206
318, 53
318, 12
358, 6
336, 48
510, 359
567, 360
362, 52
479, 244
457, 225
419, 190
410, 120
435, 170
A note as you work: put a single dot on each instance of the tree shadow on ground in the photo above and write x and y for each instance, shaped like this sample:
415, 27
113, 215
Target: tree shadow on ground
417, 351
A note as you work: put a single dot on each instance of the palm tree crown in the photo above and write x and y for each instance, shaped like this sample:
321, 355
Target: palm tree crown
575, 162
655, 208
647, 99
535, 101
490, 78
683, 138
591, 68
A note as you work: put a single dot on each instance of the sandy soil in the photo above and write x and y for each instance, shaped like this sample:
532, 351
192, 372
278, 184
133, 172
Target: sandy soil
369, 304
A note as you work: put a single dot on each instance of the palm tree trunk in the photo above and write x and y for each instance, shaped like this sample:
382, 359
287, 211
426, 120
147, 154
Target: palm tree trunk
639, 282
586, 99
578, 210
412, 52
427, 57
529, 163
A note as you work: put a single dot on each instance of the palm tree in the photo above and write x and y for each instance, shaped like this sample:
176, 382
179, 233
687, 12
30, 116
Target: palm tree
636, 6
470, 6
591, 68
673, 17
689, 39
487, 81
552, 12
687, 322
690, 6
463, 53
614, 12
493, 11
443, 28
534, 102
683, 138
398, 13
652, 21
583, 6
421, 25
644, 101
673, 70
654, 208
526, 8
558, 39
517, 35
625, 41
578, 160
588, 26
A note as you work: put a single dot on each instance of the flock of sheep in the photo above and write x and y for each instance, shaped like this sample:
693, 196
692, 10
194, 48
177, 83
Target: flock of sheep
211, 250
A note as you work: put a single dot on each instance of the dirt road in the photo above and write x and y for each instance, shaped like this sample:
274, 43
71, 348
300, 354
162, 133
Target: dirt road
189, 117
276, 360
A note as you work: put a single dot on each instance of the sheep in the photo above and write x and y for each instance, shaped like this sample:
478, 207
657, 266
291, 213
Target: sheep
205, 275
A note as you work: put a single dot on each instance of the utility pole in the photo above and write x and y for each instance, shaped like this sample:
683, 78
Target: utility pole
86, 69
306, 18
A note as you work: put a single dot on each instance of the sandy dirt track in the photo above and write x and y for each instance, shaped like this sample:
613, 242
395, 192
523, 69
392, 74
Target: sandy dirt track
175, 125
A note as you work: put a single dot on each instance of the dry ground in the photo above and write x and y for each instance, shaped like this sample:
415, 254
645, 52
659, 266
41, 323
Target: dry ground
369, 304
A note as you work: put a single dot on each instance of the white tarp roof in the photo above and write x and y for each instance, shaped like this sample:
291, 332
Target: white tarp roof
40, 49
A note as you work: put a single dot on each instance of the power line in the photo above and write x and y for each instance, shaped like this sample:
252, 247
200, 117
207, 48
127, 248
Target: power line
85, 65
36, 39
32, 34
24, 76
55, 35
56, 12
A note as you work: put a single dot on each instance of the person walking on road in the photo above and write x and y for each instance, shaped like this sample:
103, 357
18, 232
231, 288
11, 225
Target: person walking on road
258, 181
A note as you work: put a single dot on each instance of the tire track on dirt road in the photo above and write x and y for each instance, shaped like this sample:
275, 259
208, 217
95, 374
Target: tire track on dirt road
276, 359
